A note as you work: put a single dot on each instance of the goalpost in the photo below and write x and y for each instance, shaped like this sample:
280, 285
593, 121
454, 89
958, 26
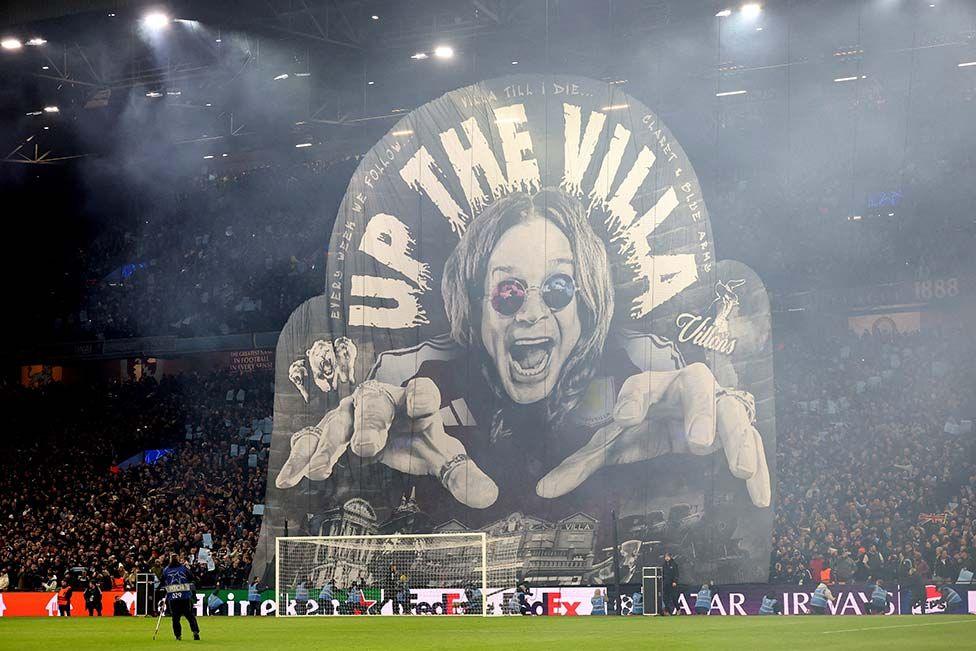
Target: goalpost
437, 574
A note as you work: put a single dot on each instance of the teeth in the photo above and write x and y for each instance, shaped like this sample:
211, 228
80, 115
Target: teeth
532, 364
532, 341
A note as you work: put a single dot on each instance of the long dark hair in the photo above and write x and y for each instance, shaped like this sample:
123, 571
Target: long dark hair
464, 275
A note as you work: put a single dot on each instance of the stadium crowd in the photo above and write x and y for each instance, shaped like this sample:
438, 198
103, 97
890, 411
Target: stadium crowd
875, 467
65, 503
227, 253
875, 462
875, 458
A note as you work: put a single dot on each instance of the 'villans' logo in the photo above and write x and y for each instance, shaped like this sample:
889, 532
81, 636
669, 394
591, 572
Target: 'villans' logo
712, 333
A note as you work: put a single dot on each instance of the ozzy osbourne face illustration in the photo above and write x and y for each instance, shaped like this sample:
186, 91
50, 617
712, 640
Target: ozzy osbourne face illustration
530, 323
529, 282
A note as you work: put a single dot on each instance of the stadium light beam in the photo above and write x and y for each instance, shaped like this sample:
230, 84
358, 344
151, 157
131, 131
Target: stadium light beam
155, 20
11, 44
751, 10
444, 52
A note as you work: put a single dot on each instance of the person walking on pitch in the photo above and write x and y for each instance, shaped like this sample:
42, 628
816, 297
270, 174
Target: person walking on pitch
671, 591
178, 583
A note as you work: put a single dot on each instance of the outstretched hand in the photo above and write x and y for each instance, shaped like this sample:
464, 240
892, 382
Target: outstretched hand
660, 412
400, 427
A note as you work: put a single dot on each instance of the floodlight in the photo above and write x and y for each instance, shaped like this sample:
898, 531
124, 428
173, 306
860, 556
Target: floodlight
155, 20
751, 10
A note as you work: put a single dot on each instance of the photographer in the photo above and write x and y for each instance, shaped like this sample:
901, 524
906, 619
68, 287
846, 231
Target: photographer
326, 595
820, 599
215, 605
120, 609
951, 601
522, 598
474, 606
879, 599
301, 599
770, 605
254, 597
703, 601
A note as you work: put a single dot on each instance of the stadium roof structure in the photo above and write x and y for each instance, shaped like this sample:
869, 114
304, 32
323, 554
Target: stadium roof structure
344, 70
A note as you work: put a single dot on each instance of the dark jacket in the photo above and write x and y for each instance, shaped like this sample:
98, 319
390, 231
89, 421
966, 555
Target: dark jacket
93, 597
670, 574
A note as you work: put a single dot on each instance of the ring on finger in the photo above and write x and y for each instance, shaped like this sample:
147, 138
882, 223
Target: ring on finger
373, 388
450, 466
742, 397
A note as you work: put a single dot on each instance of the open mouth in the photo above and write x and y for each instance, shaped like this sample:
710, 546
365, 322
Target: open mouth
530, 356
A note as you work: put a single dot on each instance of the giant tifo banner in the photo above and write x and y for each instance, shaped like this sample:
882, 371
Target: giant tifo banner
525, 326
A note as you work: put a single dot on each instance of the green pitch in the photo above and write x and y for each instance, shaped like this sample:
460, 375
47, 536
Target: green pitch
509, 633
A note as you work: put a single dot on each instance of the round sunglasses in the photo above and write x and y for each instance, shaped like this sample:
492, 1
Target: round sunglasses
508, 296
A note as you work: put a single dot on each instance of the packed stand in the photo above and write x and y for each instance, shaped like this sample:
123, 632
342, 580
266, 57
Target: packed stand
875, 458
222, 254
68, 509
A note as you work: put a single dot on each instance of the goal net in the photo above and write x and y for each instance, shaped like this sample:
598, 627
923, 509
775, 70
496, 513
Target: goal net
417, 574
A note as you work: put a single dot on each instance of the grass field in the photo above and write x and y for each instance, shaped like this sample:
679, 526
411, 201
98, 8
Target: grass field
509, 633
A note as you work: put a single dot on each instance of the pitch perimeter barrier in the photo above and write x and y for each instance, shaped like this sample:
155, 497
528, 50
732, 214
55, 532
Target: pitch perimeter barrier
40, 604
731, 600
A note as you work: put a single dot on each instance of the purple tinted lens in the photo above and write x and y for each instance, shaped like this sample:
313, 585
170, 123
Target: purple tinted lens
558, 291
508, 297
